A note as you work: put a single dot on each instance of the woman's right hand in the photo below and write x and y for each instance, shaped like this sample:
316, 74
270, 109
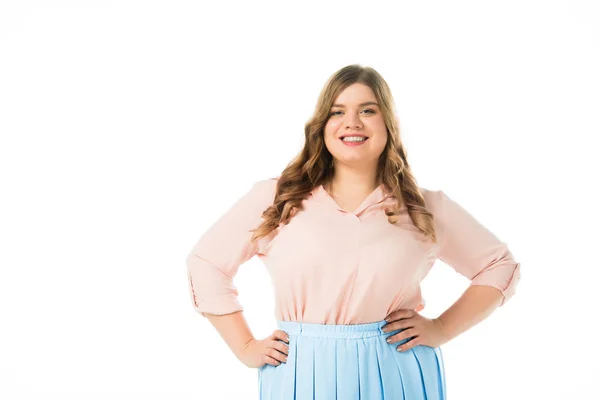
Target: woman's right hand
269, 350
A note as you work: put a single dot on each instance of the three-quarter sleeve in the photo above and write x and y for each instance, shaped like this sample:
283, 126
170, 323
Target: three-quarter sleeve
473, 250
222, 248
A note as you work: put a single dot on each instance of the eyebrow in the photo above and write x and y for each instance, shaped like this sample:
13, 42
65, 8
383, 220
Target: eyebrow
360, 105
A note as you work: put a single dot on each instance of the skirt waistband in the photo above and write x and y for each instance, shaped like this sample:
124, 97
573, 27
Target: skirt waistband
333, 331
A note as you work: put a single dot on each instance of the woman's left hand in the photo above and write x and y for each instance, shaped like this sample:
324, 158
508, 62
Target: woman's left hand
424, 331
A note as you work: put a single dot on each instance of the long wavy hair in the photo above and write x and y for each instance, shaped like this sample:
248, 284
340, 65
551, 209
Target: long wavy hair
313, 166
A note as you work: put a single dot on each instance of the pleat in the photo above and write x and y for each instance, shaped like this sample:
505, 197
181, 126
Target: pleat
266, 382
288, 371
261, 384
428, 361
441, 371
314, 358
325, 368
391, 379
370, 378
347, 369
335, 362
305, 368
361, 385
421, 373
409, 371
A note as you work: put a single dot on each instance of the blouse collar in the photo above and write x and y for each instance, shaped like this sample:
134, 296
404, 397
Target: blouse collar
377, 196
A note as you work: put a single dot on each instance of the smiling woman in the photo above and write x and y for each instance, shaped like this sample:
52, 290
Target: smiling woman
347, 236
356, 121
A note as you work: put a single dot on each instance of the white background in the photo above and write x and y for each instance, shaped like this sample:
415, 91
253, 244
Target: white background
128, 127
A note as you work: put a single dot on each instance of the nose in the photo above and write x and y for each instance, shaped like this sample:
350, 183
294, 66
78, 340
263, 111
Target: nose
352, 121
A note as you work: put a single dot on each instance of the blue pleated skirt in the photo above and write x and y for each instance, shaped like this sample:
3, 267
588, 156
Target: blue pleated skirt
351, 362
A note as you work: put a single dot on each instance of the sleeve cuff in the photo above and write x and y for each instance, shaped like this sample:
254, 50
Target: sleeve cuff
507, 290
219, 306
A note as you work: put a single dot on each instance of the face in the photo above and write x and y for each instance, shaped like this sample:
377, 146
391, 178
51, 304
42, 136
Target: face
349, 116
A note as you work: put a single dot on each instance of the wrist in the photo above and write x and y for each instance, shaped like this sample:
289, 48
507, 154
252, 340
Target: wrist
443, 329
242, 349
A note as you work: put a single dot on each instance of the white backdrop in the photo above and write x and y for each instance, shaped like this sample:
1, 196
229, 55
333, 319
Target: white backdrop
128, 127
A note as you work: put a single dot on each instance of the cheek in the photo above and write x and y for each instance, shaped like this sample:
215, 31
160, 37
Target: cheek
329, 131
382, 139
330, 140
332, 125
378, 141
377, 124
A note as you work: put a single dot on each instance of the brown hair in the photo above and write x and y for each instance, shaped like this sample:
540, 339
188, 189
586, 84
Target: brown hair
313, 165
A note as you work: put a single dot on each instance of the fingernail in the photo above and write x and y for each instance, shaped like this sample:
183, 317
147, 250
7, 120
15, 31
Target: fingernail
399, 348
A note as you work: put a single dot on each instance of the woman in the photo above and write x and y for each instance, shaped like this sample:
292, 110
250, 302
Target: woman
347, 236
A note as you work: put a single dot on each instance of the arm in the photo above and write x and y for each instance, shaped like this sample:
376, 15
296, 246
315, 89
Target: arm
234, 330
215, 259
476, 253
475, 305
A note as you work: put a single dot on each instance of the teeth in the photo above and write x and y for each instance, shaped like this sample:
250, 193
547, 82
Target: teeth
353, 139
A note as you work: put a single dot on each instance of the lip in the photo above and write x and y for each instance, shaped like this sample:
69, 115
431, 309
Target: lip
352, 134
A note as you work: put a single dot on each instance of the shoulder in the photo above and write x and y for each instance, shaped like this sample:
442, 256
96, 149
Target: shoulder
266, 184
434, 199
435, 203
263, 190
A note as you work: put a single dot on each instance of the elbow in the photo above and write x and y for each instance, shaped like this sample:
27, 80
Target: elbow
211, 291
504, 276
511, 286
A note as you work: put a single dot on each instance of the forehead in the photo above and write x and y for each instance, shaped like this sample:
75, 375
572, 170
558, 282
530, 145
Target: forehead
356, 94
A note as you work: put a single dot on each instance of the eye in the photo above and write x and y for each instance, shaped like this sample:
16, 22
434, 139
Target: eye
367, 109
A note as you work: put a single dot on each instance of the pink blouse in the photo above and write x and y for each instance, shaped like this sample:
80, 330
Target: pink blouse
333, 266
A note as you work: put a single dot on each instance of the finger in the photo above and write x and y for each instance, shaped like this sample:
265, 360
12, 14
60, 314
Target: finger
405, 334
397, 325
410, 344
269, 360
276, 355
282, 347
281, 335
400, 314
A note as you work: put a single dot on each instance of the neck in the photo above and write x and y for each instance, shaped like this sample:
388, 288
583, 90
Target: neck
349, 179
